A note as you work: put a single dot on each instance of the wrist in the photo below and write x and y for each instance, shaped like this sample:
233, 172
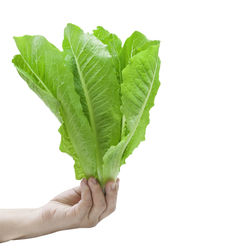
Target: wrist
31, 224
53, 219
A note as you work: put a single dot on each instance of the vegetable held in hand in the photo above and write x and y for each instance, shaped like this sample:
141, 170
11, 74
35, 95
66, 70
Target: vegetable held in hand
100, 91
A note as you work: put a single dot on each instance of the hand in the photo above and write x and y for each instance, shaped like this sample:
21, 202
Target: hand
80, 207
83, 206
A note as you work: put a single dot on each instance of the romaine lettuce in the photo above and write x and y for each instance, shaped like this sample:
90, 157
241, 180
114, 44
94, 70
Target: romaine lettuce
100, 91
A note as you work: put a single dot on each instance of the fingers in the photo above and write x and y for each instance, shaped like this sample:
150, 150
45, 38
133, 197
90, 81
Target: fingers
84, 206
111, 198
94, 205
99, 202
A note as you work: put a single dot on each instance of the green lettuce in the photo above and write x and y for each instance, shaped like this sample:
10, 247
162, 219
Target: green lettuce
100, 91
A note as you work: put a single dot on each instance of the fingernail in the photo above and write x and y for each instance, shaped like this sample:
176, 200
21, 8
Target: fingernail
113, 186
85, 181
94, 181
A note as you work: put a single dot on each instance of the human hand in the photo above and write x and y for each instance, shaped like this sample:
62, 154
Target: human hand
80, 207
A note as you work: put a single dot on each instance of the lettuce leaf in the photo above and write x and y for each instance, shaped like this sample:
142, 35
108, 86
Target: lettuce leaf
139, 88
42, 66
98, 86
100, 91
114, 46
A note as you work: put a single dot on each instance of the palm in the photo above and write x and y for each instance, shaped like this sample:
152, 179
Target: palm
64, 205
68, 198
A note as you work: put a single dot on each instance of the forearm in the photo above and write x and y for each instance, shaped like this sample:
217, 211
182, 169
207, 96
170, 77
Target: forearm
22, 223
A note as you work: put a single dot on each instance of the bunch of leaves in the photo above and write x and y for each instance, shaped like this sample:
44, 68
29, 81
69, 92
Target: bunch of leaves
100, 91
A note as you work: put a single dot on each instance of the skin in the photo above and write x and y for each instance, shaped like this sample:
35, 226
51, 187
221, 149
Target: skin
80, 207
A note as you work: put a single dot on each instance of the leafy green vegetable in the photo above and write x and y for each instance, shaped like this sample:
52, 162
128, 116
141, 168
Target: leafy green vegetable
114, 46
100, 91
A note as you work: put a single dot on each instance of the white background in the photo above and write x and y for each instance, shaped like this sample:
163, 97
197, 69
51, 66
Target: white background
188, 185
